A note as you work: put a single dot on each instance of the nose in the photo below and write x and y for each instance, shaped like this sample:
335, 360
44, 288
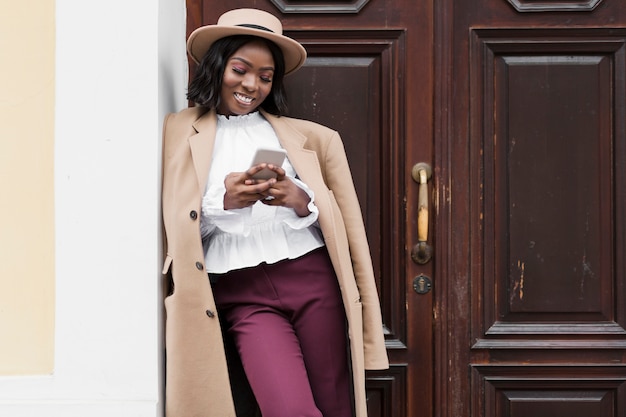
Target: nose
249, 82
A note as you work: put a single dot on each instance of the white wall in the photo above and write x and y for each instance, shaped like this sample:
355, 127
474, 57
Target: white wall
120, 66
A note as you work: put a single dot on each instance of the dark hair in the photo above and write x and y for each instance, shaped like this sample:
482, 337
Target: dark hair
206, 85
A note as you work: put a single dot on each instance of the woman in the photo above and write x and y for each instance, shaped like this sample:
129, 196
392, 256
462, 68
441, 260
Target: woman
284, 262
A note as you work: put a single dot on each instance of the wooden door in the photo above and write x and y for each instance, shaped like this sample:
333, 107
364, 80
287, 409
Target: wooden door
532, 155
519, 106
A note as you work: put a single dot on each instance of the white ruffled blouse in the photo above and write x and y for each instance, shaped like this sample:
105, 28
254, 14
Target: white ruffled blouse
246, 237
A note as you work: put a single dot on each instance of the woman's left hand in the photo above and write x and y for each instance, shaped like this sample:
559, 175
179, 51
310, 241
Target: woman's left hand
285, 193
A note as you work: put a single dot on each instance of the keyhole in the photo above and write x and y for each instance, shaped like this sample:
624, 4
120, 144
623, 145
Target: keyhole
422, 284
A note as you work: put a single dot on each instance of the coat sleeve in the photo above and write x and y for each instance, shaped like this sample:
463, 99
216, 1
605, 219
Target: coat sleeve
339, 180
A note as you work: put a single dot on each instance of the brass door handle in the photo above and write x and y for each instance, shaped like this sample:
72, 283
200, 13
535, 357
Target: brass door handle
422, 252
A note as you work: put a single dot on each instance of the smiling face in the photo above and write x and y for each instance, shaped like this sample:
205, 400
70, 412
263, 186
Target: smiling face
247, 79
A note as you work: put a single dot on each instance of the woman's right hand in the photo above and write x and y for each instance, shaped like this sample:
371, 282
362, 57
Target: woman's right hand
242, 190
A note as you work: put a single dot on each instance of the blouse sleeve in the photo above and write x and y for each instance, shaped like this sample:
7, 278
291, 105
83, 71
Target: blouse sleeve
297, 222
214, 215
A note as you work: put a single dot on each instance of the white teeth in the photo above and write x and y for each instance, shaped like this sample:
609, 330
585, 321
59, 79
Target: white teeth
245, 99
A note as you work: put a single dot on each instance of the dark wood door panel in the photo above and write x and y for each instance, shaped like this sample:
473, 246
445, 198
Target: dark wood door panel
548, 180
548, 391
386, 392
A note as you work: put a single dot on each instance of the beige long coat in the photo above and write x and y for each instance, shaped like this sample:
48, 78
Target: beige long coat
197, 383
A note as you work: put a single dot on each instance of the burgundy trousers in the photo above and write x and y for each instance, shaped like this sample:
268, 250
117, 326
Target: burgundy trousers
289, 326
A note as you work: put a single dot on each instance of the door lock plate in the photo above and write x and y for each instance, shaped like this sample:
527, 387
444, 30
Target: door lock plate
422, 284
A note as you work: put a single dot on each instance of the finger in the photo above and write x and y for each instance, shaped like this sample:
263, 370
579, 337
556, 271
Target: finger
280, 173
259, 187
255, 169
265, 192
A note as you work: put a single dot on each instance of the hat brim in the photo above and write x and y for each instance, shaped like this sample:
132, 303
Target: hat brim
202, 38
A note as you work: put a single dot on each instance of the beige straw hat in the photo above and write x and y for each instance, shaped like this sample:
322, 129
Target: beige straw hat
247, 22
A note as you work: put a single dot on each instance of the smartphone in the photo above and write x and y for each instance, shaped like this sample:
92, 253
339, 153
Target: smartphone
274, 156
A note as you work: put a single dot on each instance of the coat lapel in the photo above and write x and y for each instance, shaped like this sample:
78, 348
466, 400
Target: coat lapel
304, 161
201, 145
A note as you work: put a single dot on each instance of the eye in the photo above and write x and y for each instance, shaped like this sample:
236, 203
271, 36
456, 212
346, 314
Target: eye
266, 76
239, 70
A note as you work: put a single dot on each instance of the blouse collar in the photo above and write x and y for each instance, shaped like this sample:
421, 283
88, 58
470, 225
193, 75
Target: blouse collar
239, 120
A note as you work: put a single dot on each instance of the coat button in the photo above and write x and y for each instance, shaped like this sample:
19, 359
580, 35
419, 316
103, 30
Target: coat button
199, 266
193, 214
210, 313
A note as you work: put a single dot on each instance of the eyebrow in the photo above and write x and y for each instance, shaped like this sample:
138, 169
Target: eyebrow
270, 68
